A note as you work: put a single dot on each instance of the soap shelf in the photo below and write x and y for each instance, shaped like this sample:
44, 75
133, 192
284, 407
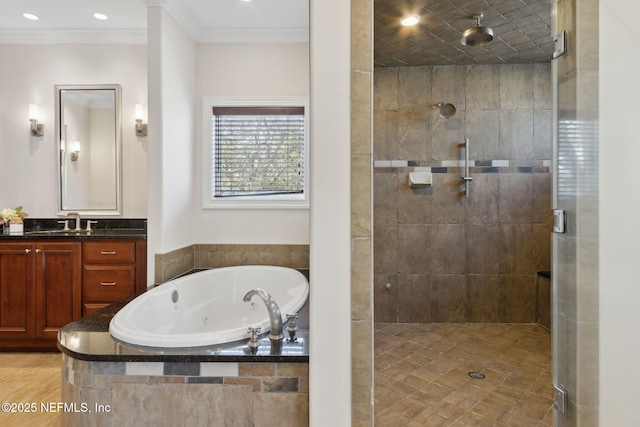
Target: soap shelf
420, 179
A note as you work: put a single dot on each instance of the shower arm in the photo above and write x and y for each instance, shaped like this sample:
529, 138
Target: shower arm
466, 178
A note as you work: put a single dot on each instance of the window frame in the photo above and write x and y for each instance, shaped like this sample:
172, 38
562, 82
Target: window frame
279, 201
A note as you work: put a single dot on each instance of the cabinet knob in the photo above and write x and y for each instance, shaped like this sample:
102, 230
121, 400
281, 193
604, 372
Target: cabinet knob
38, 251
27, 251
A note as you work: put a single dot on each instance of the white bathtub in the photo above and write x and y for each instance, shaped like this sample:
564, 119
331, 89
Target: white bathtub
209, 307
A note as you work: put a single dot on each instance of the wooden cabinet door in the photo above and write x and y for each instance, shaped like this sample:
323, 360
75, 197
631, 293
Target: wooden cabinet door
58, 286
16, 291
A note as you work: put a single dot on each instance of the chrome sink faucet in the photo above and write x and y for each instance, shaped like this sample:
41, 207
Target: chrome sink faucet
275, 318
77, 215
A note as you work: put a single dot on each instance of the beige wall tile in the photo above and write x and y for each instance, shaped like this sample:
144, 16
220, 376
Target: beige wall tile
146, 404
482, 87
448, 298
211, 404
482, 298
270, 409
385, 301
414, 298
518, 297
516, 134
516, 86
413, 248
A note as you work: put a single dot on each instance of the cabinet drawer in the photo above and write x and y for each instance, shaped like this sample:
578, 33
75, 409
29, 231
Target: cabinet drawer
102, 283
109, 252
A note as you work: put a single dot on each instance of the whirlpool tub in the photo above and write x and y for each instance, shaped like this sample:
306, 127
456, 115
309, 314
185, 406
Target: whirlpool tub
206, 308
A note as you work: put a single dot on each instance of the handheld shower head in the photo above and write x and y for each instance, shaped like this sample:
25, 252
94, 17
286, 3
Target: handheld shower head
478, 35
446, 110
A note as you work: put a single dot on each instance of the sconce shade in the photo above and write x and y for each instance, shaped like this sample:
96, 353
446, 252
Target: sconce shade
36, 129
33, 112
141, 128
75, 151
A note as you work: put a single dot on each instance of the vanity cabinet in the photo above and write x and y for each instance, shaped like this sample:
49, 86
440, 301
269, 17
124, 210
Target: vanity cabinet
45, 285
39, 291
17, 291
111, 271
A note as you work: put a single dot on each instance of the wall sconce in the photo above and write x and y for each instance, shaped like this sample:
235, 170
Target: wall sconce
36, 128
141, 128
75, 151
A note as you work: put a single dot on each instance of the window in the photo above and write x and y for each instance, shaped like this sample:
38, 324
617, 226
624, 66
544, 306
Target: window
255, 152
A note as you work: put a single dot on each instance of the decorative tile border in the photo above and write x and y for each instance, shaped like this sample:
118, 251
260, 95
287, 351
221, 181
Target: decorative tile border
454, 166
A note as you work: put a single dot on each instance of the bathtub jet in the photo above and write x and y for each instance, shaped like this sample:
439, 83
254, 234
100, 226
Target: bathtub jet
207, 308
275, 317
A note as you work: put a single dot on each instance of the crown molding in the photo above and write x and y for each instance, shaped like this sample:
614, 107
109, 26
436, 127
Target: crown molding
138, 36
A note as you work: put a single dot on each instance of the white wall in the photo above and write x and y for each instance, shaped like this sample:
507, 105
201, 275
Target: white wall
27, 76
250, 70
330, 252
172, 59
619, 213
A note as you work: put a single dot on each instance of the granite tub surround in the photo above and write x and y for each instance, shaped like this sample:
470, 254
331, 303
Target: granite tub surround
441, 255
204, 256
224, 384
89, 339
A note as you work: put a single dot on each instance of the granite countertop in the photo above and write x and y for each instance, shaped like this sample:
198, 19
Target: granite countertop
89, 339
49, 229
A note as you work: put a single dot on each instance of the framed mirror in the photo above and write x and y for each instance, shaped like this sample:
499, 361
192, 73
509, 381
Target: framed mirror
89, 142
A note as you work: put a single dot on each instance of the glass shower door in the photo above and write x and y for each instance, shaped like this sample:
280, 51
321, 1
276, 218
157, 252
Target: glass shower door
575, 196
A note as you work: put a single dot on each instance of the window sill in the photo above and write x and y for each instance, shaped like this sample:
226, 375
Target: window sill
256, 204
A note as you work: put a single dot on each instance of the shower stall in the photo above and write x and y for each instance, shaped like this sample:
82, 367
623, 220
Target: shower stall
440, 256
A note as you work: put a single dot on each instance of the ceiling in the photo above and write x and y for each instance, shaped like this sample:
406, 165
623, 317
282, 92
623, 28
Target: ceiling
522, 32
522, 27
71, 21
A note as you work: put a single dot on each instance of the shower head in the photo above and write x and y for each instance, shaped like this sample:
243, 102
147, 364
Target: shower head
446, 110
478, 35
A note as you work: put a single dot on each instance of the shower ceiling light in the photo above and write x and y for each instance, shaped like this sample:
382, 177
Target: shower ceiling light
30, 16
100, 16
411, 20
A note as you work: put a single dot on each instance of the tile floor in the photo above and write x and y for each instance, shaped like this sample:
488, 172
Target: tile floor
30, 378
421, 375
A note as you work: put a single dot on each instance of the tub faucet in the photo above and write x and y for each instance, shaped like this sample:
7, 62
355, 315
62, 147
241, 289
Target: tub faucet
274, 312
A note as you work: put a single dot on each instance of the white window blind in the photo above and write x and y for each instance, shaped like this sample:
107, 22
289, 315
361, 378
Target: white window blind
258, 151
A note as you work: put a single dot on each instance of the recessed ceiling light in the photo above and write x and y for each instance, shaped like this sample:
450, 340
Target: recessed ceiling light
100, 16
410, 20
30, 16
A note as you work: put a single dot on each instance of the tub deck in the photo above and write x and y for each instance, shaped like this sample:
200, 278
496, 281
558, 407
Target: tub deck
89, 339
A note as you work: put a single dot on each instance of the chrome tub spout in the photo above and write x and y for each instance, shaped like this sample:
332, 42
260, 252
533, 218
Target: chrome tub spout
275, 318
